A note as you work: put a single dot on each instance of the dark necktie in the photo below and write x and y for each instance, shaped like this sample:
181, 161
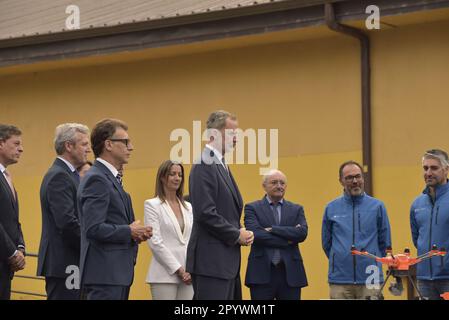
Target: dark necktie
77, 176
119, 179
277, 216
224, 164
277, 254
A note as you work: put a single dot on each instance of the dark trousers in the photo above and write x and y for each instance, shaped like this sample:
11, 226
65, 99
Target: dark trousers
277, 288
209, 288
104, 292
57, 290
432, 289
5, 282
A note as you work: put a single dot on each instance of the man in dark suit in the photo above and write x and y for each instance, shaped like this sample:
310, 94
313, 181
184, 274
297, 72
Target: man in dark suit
12, 246
59, 250
109, 234
275, 269
213, 254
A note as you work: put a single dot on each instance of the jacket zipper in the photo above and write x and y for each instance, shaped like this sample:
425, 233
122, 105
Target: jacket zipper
333, 262
430, 238
353, 237
436, 216
358, 215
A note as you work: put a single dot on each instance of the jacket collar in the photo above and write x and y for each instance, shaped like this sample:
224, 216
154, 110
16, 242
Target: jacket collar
181, 235
108, 165
67, 163
439, 190
109, 174
355, 199
267, 198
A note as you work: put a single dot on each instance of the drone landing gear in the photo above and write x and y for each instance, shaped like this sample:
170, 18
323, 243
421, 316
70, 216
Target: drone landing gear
398, 288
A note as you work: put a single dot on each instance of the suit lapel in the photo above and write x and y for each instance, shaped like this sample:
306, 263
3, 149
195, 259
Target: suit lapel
117, 186
284, 216
187, 224
268, 211
9, 191
239, 196
208, 157
59, 163
168, 210
227, 178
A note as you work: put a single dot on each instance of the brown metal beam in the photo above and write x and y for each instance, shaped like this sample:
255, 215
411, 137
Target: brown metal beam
180, 30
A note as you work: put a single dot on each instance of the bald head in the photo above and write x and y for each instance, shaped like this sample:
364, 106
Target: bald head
275, 185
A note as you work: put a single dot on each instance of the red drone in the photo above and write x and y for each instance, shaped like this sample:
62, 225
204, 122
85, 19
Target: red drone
399, 266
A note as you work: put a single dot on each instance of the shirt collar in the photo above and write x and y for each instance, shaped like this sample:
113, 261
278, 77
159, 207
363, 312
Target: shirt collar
2, 168
281, 202
216, 153
109, 166
71, 167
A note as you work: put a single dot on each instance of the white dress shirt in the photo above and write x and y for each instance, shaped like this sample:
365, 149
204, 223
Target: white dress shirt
109, 166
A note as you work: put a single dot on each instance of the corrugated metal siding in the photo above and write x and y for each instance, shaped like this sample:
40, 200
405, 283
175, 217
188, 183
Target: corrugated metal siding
20, 18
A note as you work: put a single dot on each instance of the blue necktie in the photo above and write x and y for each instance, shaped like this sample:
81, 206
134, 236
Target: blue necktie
77, 176
277, 218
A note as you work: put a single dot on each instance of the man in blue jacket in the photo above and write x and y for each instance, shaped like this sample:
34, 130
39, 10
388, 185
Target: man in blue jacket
429, 219
354, 219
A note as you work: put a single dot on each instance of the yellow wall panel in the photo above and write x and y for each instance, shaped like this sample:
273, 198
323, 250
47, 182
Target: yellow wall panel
308, 90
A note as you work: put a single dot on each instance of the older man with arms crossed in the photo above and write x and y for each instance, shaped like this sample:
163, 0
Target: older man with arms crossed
275, 268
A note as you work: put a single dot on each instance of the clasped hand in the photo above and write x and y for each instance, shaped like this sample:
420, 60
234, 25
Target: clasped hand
140, 233
17, 262
246, 237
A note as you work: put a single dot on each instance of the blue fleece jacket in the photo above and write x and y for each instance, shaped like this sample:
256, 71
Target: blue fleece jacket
430, 225
361, 221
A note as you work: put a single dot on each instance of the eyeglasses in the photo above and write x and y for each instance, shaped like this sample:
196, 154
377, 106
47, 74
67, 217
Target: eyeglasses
275, 182
127, 142
358, 177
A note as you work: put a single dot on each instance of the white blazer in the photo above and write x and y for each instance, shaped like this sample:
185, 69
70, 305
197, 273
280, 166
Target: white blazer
168, 243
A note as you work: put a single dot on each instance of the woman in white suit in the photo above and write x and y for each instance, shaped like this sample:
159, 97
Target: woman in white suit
171, 218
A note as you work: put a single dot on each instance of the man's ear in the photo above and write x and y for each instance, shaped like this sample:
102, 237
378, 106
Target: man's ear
107, 145
68, 145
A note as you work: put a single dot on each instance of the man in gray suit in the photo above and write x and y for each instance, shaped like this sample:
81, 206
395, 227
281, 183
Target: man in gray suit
109, 234
213, 254
59, 249
12, 246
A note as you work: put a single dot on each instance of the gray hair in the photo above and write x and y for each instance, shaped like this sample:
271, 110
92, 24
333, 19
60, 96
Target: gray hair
217, 119
438, 155
270, 173
66, 133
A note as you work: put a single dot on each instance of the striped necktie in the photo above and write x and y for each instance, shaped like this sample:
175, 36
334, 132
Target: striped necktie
120, 179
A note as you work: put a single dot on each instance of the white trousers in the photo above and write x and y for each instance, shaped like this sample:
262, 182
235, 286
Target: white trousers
171, 291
